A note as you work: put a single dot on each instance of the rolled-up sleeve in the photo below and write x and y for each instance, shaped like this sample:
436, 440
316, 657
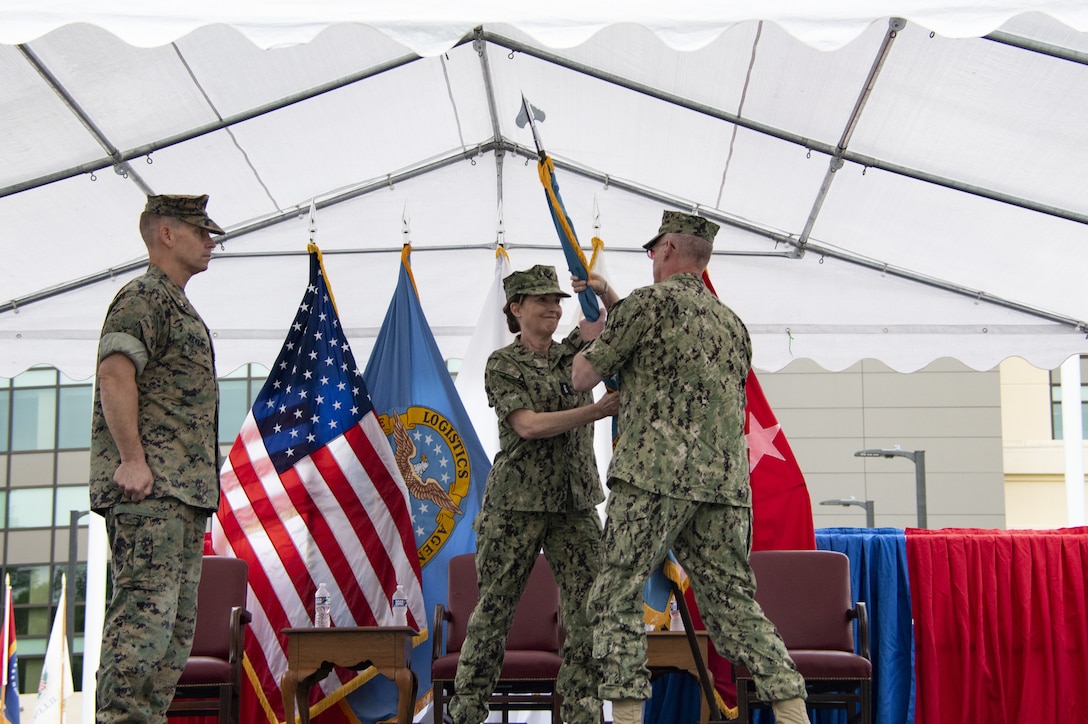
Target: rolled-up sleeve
126, 344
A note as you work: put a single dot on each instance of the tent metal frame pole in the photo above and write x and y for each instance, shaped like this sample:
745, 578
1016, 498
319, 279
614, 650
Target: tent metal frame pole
835, 162
121, 167
814, 247
779, 237
783, 135
479, 44
1037, 46
555, 59
637, 189
120, 157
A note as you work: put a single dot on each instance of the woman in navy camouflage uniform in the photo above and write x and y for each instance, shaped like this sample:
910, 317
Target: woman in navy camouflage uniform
542, 492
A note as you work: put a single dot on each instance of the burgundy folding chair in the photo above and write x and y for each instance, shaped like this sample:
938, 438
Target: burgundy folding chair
531, 662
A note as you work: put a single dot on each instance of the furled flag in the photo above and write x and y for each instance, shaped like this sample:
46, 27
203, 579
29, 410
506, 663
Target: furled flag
55, 685
433, 438
9, 665
311, 494
490, 334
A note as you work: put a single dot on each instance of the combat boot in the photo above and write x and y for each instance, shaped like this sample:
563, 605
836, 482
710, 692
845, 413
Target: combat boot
790, 711
627, 711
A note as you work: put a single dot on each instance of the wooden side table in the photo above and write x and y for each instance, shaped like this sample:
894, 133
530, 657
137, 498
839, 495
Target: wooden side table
312, 652
671, 650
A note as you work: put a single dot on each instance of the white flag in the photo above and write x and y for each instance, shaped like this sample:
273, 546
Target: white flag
490, 334
55, 685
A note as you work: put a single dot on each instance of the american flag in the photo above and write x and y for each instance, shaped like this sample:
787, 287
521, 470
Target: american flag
311, 494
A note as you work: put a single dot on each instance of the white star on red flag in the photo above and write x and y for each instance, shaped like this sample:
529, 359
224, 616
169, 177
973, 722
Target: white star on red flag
761, 441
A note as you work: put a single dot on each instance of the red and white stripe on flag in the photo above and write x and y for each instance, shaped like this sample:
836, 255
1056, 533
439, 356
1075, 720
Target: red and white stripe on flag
328, 519
311, 494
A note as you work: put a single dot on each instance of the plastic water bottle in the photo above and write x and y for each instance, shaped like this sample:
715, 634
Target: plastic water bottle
400, 607
322, 607
676, 623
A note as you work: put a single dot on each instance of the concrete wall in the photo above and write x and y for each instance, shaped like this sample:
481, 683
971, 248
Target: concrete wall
948, 410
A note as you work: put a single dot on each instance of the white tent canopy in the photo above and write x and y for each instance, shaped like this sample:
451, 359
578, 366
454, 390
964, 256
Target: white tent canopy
897, 190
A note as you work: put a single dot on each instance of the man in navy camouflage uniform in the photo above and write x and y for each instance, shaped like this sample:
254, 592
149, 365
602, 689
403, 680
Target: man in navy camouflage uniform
155, 462
679, 475
542, 492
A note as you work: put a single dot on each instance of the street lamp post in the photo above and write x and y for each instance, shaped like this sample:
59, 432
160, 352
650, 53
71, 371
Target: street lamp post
73, 553
918, 457
869, 505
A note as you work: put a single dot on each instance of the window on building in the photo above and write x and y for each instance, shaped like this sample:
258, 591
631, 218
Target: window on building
74, 416
237, 391
33, 418
5, 413
1056, 400
30, 508
69, 498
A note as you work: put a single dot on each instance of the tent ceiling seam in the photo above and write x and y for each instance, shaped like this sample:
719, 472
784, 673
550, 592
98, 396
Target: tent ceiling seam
229, 131
740, 111
453, 101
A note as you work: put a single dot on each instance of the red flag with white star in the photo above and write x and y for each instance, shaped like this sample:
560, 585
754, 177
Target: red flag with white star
781, 507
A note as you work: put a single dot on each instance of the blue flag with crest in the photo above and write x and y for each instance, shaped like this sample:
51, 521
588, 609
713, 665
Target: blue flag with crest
443, 463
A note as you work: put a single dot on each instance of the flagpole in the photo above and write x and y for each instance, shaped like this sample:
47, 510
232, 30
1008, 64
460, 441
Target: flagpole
7, 647
64, 640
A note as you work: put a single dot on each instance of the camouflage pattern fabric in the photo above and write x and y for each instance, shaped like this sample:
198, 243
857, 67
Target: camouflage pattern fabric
677, 222
539, 279
152, 321
682, 358
553, 474
712, 542
506, 549
157, 548
679, 480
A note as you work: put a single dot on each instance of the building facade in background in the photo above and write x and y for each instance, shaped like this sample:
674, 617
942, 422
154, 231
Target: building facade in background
993, 460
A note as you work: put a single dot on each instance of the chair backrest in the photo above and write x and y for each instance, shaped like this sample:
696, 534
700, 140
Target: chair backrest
536, 618
223, 582
806, 594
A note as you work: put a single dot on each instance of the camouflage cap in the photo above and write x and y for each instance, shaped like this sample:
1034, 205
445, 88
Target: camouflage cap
676, 222
187, 208
539, 279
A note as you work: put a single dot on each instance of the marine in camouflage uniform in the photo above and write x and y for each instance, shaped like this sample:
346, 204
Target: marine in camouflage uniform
679, 474
541, 493
156, 536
